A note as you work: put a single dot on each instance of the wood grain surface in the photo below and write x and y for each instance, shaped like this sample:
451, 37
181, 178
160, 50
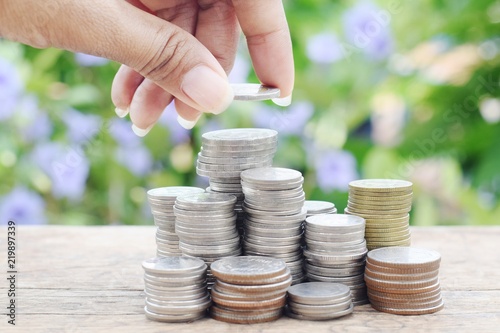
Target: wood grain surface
89, 279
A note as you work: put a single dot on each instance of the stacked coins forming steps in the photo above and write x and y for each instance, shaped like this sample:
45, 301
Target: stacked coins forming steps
404, 280
162, 200
319, 301
315, 207
336, 250
384, 204
274, 201
206, 226
175, 288
225, 153
249, 289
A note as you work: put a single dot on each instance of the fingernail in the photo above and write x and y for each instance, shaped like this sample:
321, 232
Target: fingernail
121, 112
285, 101
187, 124
141, 132
207, 89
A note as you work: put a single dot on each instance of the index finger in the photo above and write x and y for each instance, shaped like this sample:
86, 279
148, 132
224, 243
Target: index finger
265, 27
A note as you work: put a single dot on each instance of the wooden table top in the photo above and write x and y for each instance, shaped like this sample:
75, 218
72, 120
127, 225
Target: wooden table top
89, 279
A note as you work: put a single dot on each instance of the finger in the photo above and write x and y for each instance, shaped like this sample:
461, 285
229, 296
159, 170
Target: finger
147, 105
218, 30
264, 24
158, 50
187, 115
150, 100
124, 86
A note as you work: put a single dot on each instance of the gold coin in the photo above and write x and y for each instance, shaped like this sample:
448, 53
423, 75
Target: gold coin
376, 199
404, 218
401, 270
387, 298
374, 216
405, 297
381, 185
272, 303
365, 206
378, 212
413, 305
384, 234
410, 311
387, 240
387, 228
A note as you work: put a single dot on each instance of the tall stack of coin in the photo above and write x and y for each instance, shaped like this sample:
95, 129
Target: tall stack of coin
162, 200
225, 153
175, 288
249, 289
404, 280
274, 201
319, 301
206, 226
336, 250
385, 204
316, 207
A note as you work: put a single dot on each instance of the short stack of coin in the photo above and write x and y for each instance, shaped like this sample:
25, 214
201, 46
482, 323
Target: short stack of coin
404, 280
274, 201
162, 200
249, 289
336, 250
315, 207
175, 288
319, 301
384, 204
206, 226
225, 153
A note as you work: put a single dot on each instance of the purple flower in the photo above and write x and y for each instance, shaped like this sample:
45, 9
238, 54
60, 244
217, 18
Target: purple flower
240, 70
81, 127
88, 60
34, 123
23, 207
137, 160
367, 27
67, 168
11, 88
121, 131
335, 169
324, 48
168, 119
291, 121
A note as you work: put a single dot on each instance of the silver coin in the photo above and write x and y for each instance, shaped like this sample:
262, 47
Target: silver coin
318, 293
288, 193
165, 308
318, 207
275, 176
253, 92
260, 213
286, 256
242, 136
306, 309
254, 148
335, 222
324, 258
348, 238
174, 318
233, 160
248, 245
237, 154
319, 317
202, 201
210, 174
221, 168
173, 265
173, 191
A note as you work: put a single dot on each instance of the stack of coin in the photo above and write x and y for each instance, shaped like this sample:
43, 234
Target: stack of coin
162, 200
385, 204
404, 280
315, 207
319, 301
175, 288
225, 153
336, 250
249, 289
274, 202
206, 226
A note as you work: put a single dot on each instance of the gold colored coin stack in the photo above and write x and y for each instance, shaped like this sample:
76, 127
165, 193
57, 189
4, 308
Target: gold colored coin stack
384, 204
249, 289
404, 280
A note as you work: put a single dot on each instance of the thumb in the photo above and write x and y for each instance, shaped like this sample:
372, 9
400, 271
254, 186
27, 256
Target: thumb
160, 51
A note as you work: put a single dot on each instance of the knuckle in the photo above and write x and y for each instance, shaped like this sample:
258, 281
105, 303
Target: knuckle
166, 56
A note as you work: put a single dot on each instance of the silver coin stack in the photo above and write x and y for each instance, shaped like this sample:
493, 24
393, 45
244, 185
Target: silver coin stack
319, 301
176, 289
206, 226
225, 153
249, 289
316, 207
162, 200
336, 251
274, 201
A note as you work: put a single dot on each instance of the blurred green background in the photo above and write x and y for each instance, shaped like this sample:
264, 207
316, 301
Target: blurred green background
386, 89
